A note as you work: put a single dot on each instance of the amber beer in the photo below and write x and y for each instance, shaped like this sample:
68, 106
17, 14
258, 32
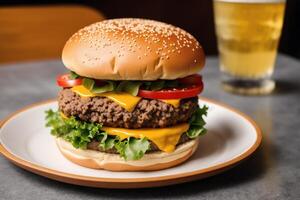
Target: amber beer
248, 32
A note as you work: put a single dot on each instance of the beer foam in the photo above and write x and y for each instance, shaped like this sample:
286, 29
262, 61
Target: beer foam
253, 1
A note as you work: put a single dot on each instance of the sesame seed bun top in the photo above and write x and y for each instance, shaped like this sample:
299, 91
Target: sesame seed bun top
133, 49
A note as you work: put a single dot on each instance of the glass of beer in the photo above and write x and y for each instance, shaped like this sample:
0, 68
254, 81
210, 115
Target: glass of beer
248, 32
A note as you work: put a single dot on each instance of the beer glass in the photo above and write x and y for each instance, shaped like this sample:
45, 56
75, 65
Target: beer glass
248, 33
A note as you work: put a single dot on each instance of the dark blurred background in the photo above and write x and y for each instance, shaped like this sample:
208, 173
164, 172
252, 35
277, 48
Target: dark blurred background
195, 16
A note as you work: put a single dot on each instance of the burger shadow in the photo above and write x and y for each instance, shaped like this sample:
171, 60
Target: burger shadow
213, 142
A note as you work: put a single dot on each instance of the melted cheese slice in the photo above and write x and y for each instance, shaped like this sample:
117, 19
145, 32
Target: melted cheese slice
164, 138
173, 102
125, 100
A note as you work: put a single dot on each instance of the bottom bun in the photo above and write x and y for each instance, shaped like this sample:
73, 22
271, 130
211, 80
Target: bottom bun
113, 162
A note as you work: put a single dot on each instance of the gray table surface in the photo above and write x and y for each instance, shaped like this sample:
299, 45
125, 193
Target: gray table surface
272, 172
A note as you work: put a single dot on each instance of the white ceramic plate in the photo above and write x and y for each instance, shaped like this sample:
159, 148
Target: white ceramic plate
231, 137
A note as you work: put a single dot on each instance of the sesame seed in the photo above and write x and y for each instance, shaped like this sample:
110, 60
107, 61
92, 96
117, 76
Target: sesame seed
131, 35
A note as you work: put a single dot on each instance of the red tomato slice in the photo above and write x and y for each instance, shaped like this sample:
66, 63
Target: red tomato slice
188, 92
194, 79
65, 81
193, 83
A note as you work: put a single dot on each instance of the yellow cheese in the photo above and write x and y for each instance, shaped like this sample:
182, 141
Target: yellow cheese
173, 102
125, 100
63, 115
82, 91
164, 138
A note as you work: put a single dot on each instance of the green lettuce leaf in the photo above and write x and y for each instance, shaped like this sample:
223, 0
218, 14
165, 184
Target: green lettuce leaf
80, 133
197, 123
194, 132
108, 87
131, 87
157, 85
88, 83
73, 75
91, 85
107, 143
132, 148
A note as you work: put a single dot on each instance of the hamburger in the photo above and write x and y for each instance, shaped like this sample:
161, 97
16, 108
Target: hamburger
130, 99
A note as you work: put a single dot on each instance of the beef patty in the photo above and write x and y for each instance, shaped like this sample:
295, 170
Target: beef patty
148, 113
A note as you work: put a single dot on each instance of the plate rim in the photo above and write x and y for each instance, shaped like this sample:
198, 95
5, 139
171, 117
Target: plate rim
130, 182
